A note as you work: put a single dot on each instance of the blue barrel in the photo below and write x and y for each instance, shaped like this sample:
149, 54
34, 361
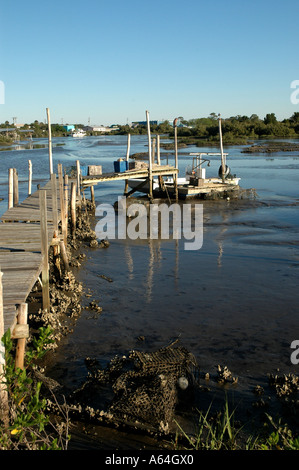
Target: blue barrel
120, 167
84, 170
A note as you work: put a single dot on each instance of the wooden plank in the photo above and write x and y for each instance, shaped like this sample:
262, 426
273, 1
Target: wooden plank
29, 210
24, 280
25, 237
10, 317
134, 173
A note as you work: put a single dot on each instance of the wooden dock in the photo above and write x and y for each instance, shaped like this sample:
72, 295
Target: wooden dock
26, 233
141, 173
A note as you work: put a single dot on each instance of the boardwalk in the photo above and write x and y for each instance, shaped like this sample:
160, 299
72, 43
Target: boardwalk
23, 259
21, 254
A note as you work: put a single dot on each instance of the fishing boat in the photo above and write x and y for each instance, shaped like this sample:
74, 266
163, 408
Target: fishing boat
135, 182
195, 180
78, 133
195, 183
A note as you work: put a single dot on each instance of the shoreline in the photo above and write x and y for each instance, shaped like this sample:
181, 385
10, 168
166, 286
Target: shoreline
92, 420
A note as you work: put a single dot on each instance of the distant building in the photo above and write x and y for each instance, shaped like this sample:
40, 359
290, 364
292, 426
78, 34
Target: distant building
144, 123
100, 128
69, 128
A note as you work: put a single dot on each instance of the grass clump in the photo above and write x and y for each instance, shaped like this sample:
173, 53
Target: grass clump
223, 432
26, 424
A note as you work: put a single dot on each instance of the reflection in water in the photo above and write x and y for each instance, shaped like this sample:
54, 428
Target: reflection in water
150, 272
220, 253
154, 264
28, 146
129, 260
225, 219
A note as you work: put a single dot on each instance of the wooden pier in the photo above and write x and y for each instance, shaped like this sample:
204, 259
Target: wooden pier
27, 230
143, 174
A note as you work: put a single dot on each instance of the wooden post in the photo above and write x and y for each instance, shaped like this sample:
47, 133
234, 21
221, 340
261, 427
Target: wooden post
150, 175
128, 147
20, 349
62, 208
158, 150
54, 201
176, 157
154, 151
73, 209
15, 188
221, 149
92, 194
66, 201
50, 142
64, 255
56, 254
78, 177
4, 408
127, 159
29, 177
44, 249
10, 188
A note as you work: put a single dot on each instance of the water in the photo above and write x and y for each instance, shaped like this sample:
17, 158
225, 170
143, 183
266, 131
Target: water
233, 302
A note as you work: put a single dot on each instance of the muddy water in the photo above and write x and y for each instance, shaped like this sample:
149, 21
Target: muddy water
233, 302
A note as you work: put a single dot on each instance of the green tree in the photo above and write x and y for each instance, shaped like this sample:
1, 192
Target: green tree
270, 119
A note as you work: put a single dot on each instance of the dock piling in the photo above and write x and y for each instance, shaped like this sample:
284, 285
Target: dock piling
44, 249
54, 201
223, 163
66, 206
78, 177
176, 158
127, 159
29, 177
62, 203
15, 187
92, 198
128, 147
4, 409
21, 343
158, 150
73, 210
50, 141
10, 188
150, 175
64, 255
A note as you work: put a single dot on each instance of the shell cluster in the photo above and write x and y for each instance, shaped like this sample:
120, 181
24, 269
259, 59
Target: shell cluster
225, 375
285, 385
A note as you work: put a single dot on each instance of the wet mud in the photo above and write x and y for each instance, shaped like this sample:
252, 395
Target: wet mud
101, 313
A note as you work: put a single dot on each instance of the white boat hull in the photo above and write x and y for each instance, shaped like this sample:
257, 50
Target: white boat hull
133, 183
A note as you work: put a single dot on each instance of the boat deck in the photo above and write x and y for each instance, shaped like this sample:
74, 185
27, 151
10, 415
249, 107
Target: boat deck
157, 170
208, 186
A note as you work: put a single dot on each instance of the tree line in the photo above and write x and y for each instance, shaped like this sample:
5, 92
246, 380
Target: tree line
235, 130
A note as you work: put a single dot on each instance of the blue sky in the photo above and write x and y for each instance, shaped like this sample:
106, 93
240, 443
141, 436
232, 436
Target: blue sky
111, 61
